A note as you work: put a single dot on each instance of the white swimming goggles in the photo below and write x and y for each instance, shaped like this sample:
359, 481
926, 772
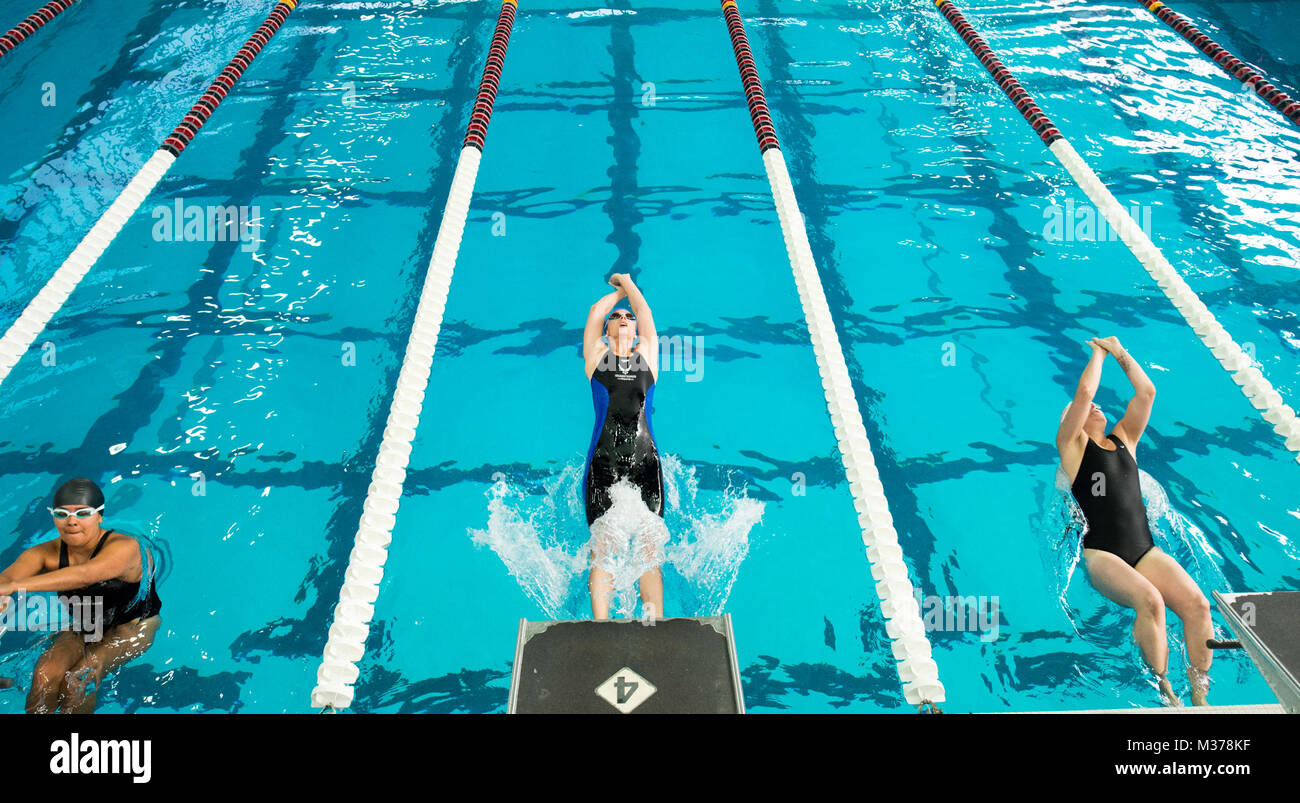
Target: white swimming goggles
62, 513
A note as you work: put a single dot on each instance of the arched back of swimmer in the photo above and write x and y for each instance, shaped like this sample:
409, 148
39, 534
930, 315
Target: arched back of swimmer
620, 349
87, 563
1121, 558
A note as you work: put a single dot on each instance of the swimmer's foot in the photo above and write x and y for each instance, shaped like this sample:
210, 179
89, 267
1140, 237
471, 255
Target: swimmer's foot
1167, 693
1200, 685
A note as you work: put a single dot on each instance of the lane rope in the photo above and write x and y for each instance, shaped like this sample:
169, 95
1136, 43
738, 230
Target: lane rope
35, 21
1229, 63
1256, 387
917, 671
34, 318
346, 645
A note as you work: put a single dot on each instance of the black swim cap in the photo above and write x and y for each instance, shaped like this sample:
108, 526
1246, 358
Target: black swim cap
80, 491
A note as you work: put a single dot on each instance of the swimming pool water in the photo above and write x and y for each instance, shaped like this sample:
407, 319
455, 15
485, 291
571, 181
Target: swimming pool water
620, 143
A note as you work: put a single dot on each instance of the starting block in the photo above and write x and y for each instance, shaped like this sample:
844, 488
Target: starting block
658, 666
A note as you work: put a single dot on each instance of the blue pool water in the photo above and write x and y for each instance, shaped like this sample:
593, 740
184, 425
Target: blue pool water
926, 199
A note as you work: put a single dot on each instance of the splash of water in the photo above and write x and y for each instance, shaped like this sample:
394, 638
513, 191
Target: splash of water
712, 545
527, 532
545, 544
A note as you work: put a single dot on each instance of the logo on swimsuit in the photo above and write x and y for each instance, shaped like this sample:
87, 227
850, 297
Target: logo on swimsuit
77, 756
48, 613
960, 615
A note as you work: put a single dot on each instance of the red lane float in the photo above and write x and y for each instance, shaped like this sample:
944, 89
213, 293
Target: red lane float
222, 84
758, 111
487, 88
27, 27
1007, 82
1231, 64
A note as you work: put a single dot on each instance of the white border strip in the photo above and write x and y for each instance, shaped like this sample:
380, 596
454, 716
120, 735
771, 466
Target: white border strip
1253, 383
54, 295
338, 670
916, 667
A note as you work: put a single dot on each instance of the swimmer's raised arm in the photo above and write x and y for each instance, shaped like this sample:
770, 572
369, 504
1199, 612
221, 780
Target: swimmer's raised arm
645, 322
1138, 413
113, 561
1077, 412
591, 342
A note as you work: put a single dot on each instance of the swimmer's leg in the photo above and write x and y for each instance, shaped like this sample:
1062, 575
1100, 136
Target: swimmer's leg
120, 645
46, 692
1121, 583
652, 581
600, 583
1183, 596
652, 594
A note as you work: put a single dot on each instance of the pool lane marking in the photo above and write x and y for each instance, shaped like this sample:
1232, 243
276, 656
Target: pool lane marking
1256, 387
1230, 64
34, 318
338, 671
33, 22
917, 671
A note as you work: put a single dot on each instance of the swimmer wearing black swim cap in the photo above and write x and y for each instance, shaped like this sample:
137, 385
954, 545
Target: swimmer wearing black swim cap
99, 575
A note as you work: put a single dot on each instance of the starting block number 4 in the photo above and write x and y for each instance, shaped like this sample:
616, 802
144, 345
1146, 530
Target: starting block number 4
625, 690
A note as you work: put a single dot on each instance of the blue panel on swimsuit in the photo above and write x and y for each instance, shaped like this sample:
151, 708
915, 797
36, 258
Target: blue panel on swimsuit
600, 398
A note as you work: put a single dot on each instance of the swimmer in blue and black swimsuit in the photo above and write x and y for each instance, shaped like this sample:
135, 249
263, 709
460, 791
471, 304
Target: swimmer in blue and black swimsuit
622, 446
1123, 562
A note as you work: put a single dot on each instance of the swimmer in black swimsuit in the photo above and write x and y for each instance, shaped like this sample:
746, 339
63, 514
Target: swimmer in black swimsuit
622, 446
89, 563
1122, 560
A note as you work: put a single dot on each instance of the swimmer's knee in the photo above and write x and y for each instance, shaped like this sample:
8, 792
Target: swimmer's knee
1201, 609
1195, 611
1151, 605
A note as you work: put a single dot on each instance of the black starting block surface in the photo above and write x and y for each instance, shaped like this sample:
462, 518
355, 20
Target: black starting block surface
674, 666
1268, 626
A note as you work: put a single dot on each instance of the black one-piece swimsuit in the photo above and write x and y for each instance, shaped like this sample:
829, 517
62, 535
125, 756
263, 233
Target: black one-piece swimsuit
623, 444
1109, 491
121, 599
